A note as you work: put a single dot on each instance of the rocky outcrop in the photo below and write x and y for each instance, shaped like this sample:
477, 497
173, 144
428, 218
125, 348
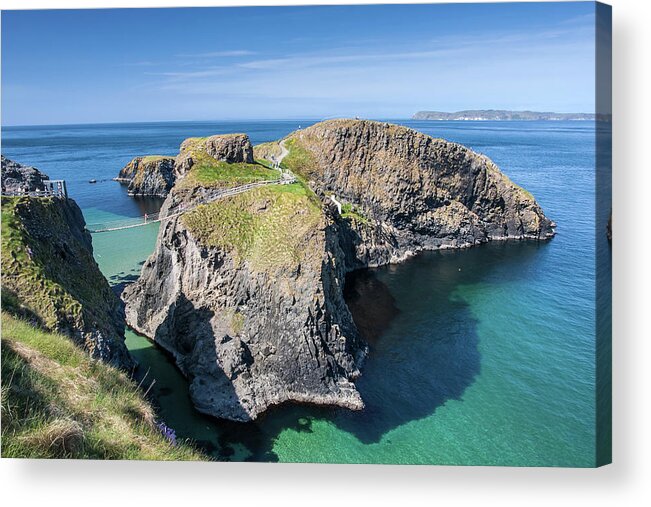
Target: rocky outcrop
151, 175
246, 295
267, 151
246, 292
229, 148
49, 276
18, 178
416, 192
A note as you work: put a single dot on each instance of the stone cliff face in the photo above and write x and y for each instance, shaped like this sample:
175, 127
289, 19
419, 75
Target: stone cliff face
49, 276
413, 191
18, 178
230, 148
246, 295
247, 292
152, 175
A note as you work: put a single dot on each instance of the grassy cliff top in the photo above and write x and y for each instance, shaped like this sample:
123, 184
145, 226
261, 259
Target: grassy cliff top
305, 146
268, 227
198, 144
391, 129
308, 148
300, 160
148, 159
208, 172
59, 403
190, 142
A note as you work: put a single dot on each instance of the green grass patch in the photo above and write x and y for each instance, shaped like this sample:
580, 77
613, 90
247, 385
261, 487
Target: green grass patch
354, 213
49, 274
267, 227
59, 403
29, 276
299, 160
267, 151
153, 158
208, 172
218, 173
192, 143
264, 162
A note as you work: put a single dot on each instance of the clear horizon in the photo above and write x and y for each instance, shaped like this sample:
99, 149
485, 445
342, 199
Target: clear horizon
373, 61
295, 118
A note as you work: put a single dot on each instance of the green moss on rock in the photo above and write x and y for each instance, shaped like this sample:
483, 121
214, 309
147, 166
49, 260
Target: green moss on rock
354, 213
50, 275
300, 160
148, 159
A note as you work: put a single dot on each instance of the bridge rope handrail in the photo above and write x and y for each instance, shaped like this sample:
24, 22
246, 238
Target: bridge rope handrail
147, 219
286, 177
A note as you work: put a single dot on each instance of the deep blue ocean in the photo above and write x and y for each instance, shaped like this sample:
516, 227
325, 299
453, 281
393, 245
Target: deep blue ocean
478, 357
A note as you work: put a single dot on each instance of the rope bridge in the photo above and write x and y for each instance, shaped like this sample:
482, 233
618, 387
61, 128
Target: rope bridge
130, 223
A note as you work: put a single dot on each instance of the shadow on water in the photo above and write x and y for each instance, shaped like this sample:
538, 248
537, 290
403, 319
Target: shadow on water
147, 204
199, 348
115, 200
371, 303
171, 391
423, 344
120, 282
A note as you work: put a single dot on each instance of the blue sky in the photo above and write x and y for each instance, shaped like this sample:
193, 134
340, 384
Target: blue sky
383, 61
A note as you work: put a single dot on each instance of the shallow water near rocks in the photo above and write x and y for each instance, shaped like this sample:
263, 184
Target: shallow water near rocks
482, 356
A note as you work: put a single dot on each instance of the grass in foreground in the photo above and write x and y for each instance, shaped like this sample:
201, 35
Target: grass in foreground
59, 403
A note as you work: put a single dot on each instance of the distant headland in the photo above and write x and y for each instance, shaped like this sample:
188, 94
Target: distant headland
502, 115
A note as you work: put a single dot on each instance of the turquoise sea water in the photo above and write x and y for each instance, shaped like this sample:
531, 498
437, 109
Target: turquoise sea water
489, 355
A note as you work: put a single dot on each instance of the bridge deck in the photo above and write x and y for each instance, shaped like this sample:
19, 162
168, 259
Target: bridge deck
120, 225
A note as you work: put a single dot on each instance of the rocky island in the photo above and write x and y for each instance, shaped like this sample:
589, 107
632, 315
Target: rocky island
246, 291
504, 115
155, 175
152, 175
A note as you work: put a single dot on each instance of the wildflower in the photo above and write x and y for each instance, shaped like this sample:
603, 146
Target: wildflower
167, 432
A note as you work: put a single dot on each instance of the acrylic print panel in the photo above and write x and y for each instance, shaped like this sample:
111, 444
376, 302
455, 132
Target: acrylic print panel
379, 234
